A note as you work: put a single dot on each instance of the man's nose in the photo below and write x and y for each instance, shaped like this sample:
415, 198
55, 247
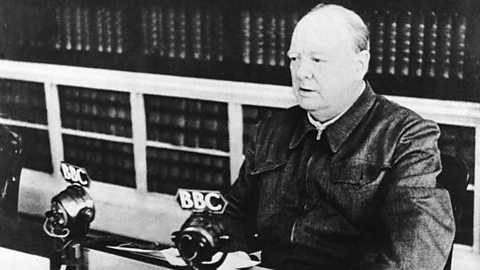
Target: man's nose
304, 70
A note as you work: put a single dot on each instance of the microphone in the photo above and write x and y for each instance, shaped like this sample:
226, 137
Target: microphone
203, 234
68, 220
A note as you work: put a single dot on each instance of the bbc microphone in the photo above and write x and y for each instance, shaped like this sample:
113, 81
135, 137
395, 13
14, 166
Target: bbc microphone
203, 234
68, 220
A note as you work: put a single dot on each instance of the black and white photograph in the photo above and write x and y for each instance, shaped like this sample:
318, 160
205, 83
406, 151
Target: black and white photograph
239, 134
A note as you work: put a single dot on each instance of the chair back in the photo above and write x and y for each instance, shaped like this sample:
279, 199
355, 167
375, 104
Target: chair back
10, 169
454, 178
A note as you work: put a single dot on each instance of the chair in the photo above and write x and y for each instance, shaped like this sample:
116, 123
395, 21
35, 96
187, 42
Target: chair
10, 169
453, 178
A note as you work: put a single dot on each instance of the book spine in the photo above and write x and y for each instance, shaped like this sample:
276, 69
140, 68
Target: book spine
78, 27
281, 40
86, 29
145, 30
161, 32
270, 34
181, 38
459, 40
404, 43
197, 34
100, 30
431, 33
108, 31
68, 27
418, 44
118, 31
444, 47
378, 41
207, 35
171, 29
258, 39
218, 38
153, 30
390, 43
246, 43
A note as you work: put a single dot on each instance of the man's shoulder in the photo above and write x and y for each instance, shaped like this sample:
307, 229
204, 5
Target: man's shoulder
389, 109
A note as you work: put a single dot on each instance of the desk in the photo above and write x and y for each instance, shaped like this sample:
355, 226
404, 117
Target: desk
12, 259
99, 260
26, 246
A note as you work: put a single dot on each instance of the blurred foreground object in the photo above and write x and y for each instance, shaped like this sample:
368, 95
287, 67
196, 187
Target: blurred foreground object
69, 218
10, 169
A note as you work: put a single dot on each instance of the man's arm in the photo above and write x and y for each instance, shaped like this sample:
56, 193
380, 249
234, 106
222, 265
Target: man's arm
417, 216
242, 198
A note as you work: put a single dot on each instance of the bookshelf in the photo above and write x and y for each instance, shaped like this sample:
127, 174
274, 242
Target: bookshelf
416, 46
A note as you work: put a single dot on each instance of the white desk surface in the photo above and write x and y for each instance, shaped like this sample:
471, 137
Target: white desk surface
12, 259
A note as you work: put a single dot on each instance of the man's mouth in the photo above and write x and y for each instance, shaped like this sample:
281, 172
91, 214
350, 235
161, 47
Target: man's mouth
305, 89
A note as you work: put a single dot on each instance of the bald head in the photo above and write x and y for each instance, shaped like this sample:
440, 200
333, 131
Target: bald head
350, 23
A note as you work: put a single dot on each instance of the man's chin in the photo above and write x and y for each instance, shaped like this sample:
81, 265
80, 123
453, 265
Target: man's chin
309, 107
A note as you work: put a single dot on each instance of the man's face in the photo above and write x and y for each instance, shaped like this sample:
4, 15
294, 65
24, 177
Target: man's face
324, 66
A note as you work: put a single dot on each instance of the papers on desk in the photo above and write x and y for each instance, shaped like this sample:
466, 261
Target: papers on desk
234, 260
130, 247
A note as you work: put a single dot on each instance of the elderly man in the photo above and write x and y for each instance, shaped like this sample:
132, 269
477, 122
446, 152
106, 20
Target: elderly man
347, 179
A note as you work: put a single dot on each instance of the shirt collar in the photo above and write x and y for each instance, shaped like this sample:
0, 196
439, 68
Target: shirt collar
339, 129
322, 126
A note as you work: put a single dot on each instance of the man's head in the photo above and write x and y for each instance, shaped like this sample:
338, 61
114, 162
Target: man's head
328, 60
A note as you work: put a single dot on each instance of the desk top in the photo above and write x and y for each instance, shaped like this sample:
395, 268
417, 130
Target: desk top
12, 259
23, 239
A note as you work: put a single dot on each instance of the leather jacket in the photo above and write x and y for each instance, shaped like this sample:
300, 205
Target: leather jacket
363, 197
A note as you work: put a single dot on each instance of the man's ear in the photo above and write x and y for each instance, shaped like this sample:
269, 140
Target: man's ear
363, 59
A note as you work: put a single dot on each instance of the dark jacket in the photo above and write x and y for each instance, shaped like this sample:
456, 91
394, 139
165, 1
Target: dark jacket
363, 197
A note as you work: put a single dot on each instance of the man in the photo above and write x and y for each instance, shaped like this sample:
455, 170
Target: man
347, 179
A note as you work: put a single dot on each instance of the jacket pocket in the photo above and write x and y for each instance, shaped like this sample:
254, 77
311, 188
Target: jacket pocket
357, 174
266, 167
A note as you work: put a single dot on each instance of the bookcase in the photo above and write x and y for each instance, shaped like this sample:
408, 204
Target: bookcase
419, 48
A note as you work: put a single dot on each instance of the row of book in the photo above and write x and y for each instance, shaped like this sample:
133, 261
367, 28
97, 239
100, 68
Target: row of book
22, 101
95, 110
266, 37
410, 43
403, 42
86, 28
203, 107
96, 95
169, 170
98, 111
187, 122
177, 31
105, 161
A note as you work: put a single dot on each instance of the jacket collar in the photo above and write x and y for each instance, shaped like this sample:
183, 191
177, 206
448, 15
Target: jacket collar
339, 131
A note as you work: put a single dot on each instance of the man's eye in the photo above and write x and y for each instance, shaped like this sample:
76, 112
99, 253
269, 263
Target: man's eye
318, 60
293, 58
